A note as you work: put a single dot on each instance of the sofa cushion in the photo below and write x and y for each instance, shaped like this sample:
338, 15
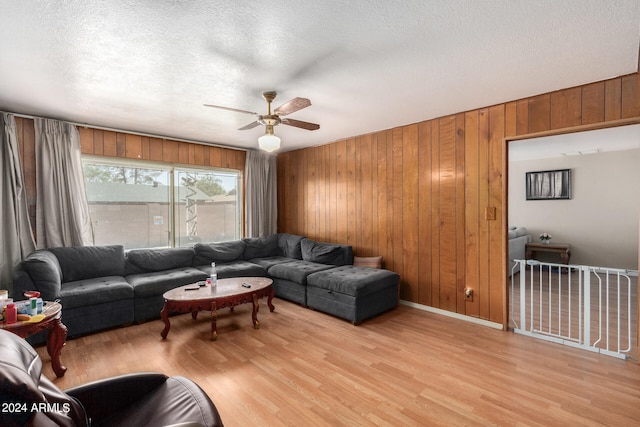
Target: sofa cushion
355, 281
323, 253
206, 253
260, 247
158, 282
296, 271
235, 269
86, 262
95, 291
160, 259
45, 272
268, 262
290, 245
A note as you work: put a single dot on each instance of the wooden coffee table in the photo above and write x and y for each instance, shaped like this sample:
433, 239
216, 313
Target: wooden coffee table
57, 333
227, 293
564, 249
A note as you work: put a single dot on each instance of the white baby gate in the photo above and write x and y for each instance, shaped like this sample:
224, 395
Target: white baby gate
593, 308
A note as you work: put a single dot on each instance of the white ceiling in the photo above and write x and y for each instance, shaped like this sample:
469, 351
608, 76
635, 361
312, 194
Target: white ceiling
149, 66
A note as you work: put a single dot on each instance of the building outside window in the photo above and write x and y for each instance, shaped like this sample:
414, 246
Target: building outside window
146, 205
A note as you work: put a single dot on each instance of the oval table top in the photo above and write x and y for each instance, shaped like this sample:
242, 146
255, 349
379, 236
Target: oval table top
223, 288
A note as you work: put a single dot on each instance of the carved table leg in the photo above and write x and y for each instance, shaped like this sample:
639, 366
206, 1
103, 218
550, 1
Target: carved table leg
164, 315
55, 342
530, 254
271, 294
194, 313
254, 313
565, 256
214, 320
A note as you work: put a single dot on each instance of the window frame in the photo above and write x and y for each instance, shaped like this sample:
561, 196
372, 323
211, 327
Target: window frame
172, 169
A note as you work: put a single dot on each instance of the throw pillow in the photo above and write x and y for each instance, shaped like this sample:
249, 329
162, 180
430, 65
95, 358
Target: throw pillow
87, 262
218, 252
290, 245
261, 247
160, 259
322, 253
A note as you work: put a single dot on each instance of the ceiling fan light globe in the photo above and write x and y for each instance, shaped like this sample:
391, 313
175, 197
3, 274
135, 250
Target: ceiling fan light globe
269, 142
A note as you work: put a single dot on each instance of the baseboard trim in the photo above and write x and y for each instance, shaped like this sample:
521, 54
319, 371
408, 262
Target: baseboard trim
459, 316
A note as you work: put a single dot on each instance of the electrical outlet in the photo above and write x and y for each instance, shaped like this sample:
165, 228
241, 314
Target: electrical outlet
468, 294
490, 213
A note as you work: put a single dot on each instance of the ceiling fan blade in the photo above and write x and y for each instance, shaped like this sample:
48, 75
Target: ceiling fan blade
230, 109
300, 124
249, 126
291, 106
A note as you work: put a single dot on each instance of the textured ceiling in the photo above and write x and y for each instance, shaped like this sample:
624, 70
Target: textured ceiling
149, 66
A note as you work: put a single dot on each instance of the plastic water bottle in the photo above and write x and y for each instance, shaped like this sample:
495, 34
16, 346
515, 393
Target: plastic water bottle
214, 275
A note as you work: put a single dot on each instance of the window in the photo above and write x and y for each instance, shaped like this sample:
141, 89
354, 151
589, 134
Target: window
143, 205
207, 206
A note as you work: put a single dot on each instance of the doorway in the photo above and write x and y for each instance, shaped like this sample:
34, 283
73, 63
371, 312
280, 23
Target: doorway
599, 223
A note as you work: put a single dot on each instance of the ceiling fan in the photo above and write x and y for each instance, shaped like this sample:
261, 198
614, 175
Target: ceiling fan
269, 142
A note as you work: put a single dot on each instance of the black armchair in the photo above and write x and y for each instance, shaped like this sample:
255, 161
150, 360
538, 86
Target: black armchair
146, 399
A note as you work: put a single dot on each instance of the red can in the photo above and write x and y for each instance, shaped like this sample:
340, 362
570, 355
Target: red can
11, 315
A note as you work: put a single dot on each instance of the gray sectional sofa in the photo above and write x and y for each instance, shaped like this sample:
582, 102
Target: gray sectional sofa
518, 239
105, 286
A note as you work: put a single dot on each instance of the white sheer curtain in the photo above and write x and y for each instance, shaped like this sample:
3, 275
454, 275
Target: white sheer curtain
15, 230
261, 197
62, 212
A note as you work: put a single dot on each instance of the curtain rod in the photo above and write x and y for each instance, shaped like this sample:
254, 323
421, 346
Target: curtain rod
150, 135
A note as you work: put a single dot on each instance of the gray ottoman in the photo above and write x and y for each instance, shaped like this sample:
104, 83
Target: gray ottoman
353, 293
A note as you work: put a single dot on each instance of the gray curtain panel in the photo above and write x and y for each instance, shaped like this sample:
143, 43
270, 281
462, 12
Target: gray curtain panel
261, 197
15, 229
62, 213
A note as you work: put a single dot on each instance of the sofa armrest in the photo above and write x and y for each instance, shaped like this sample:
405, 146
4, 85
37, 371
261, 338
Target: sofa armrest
21, 283
517, 250
40, 271
105, 397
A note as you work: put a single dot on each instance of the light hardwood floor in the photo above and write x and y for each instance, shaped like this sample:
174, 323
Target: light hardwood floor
404, 368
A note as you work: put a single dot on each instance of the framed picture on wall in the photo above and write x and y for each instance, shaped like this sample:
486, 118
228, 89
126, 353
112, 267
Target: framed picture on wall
548, 185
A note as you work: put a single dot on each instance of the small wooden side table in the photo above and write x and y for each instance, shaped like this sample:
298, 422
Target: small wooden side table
57, 333
564, 249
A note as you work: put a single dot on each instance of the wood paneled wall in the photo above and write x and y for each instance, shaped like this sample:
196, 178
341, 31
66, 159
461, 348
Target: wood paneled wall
131, 146
417, 194
126, 146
